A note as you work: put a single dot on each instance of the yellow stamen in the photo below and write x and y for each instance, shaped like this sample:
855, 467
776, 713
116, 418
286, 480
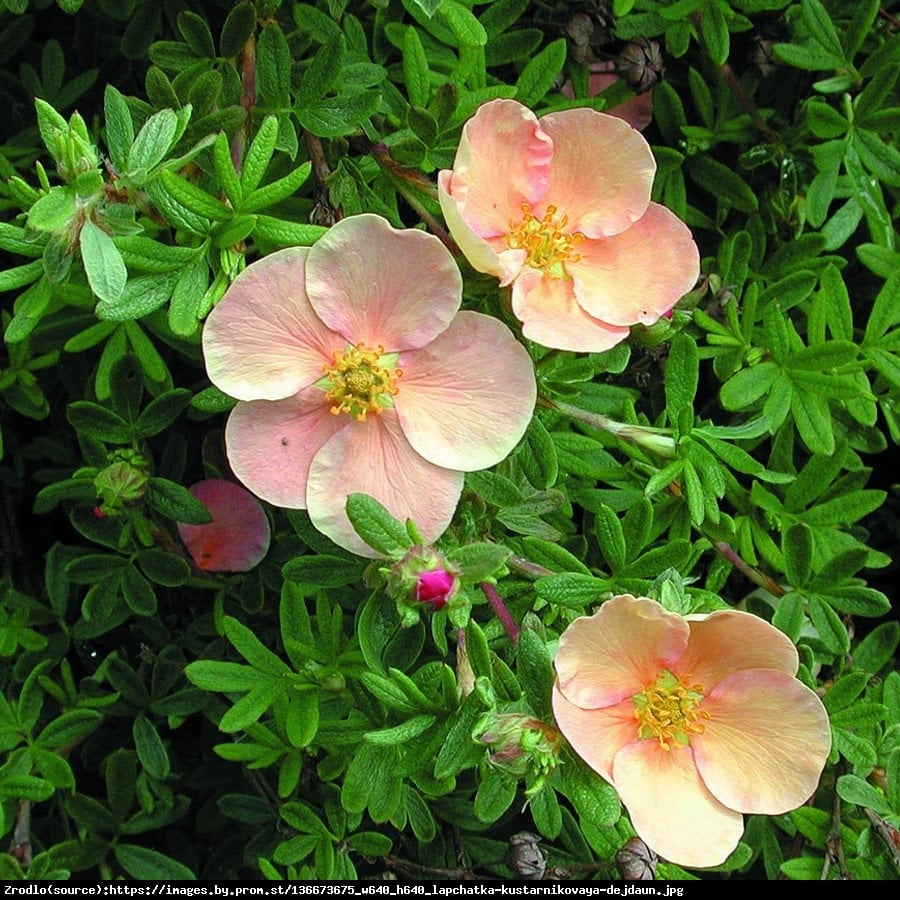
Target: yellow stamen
668, 710
360, 381
546, 242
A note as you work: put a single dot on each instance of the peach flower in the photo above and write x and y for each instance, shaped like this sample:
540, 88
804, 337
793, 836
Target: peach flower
238, 536
693, 720
356, 372
559, 208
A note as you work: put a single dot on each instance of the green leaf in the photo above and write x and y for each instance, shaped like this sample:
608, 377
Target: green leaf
153, 141
323, 570
176, 502
98, 422
537, 456
213, 675
813, 420
145, 864
467, 30
797, 547
877, 648
323, 72
570, 589
240, 23
278, 190
611, 538
722, 182
69, 728
540, 72
119, 127
415, 68
788, 616
338, 116
402, 733
682, 375
103, 264
193, 198
251, 707
748, 385
535, 671
371, 767
150, 749
831, 629
852, 789
714, 29
495, 794
252, 649
376, 526
480, 561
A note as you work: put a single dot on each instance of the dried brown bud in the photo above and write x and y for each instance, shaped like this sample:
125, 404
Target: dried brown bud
640, 64
525, 856
636, 861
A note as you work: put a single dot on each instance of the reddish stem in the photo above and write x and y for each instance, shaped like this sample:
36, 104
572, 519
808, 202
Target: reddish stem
500, 610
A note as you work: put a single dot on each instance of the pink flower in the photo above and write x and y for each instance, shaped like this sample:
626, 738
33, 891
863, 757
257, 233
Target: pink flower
560, 209
238, 536
693, 720
356, 372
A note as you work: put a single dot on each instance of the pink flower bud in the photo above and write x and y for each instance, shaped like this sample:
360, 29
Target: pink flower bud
435, 587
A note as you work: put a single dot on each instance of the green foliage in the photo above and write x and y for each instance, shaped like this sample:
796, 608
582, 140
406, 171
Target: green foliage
159, 721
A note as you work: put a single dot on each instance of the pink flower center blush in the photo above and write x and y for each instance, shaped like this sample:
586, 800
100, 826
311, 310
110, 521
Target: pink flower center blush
668, 710
548, 245
360, 381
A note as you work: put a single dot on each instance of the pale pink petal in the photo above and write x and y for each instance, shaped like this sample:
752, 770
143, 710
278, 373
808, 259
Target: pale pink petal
271, 443
614, 654
465, 400
238, 536
596, 735
377, 284
374, 458
765, 743
263, 341
730, 641
601, 173
488, 256
502, 163
551, 316
670, 807
639, 274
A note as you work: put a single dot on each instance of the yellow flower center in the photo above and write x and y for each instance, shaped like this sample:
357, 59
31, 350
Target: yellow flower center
546, 242
360, 381
668, 710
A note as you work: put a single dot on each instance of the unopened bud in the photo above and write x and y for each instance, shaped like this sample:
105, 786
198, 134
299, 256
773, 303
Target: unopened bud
122, 483
423, 577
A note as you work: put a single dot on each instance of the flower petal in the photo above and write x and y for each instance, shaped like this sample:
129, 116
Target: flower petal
378, 284
613, 654
488, 256
596, 735
502, 163
670, 807
238, 536
601, 173
374, 458
465, 400
751, 642
765, 744
263, 340
271, 443
551, 316
639, 274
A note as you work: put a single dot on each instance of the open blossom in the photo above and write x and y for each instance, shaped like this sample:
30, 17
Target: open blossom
238, 536
694, 720
559, 208
357, 372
